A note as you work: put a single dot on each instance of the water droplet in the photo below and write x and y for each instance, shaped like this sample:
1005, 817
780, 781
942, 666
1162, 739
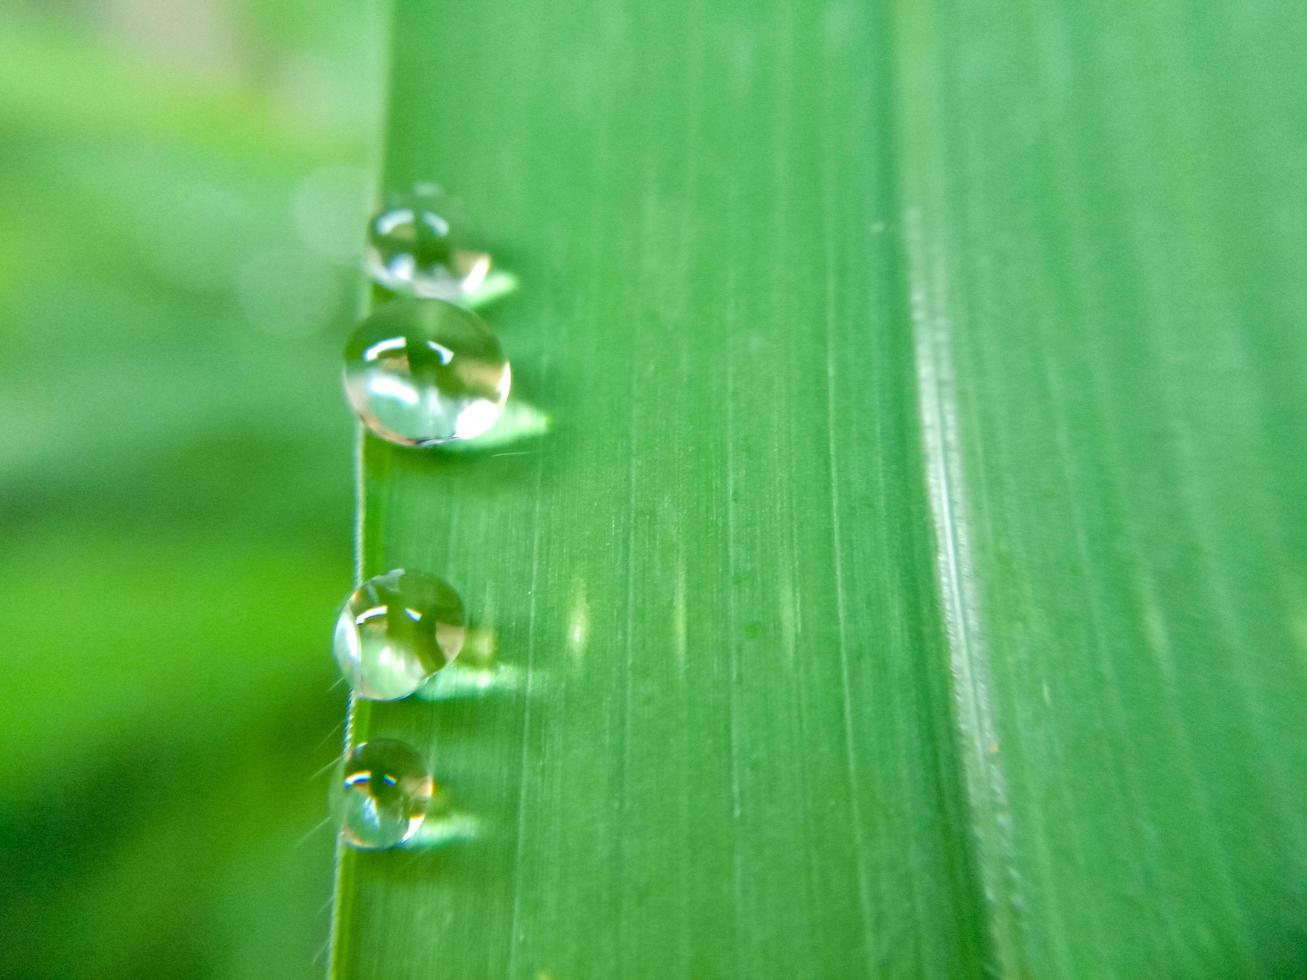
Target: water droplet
387, 792
418, 244
420, 372
396, 631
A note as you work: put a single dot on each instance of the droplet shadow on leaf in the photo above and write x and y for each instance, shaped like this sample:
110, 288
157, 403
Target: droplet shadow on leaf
519, 422
445, 829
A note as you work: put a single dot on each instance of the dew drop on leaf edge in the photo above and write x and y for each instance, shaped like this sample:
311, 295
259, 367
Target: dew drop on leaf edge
419, 245
426, 372
396, 631
386, 792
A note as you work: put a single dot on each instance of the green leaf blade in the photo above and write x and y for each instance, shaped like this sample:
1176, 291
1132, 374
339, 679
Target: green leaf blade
905, 584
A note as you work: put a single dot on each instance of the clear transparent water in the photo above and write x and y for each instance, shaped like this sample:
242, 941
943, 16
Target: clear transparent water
421, 372
387, 791
396, 631
419, 245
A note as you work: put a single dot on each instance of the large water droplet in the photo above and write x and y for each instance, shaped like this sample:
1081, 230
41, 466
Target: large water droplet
418, 244
387, 793
420, 372
396, 631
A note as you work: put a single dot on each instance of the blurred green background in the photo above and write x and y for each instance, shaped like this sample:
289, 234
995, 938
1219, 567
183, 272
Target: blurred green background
182, 190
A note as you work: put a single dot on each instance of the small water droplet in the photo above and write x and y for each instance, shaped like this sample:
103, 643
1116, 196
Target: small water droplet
418, 244
396, 631
421, 372
387, 792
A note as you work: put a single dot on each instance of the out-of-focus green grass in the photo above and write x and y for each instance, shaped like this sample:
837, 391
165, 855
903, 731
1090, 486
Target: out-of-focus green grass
181, 188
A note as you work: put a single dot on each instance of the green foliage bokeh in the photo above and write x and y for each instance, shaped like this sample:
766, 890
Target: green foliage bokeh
181, 190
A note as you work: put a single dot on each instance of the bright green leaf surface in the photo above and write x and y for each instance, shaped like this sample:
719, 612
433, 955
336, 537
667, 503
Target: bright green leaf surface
912, 580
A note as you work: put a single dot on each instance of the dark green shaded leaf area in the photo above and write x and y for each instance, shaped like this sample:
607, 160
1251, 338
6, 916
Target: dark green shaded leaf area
913, 578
